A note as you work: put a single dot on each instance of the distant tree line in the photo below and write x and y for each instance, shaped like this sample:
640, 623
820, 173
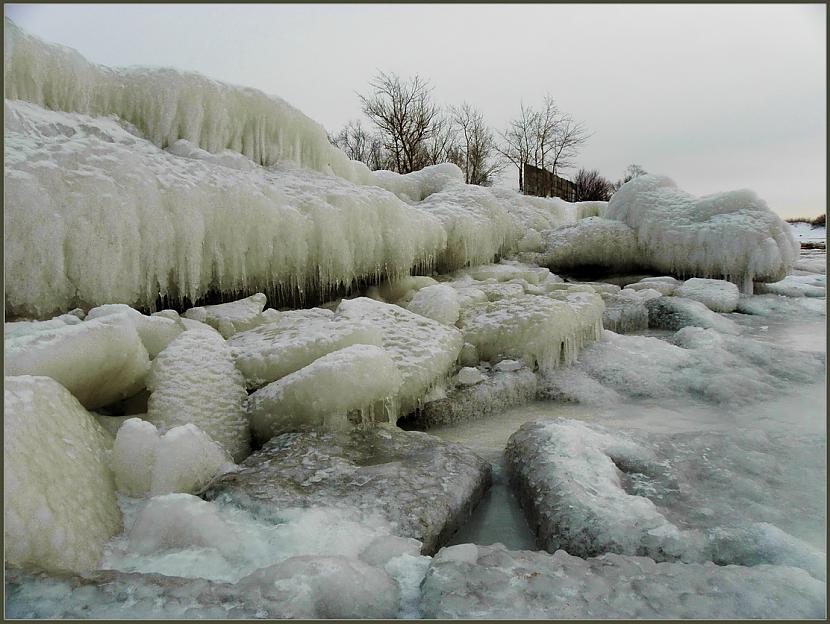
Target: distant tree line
591, 186
407, 131
819, 221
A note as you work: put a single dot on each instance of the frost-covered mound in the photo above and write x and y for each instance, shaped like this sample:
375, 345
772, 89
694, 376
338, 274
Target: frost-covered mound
732, 236
424, 350
194, 381
166, 105
591, 242
424, 487
99, 361
351, 386
59, 494
469, 581
589, 490
697, 364
136, 222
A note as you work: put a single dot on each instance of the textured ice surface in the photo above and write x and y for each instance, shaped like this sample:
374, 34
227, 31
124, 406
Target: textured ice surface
591, 242
425, 487
796, 286
294, 340
590, 490
99, 361
469, 581
326, 394
625, 312
233, 317
732, 236
439, 302
156, 332
194, 380
717, 295
674, 313
469, 376
499, 391
59, 493
424, 350
697, 364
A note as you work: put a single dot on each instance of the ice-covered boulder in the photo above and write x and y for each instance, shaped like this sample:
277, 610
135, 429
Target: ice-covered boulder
194, 380
345, 388
17, 329
425, 487
495, 394
544, 331
233, 317
439, 302
469, 581
666, 286
60, 505
156, 332
796, 286
184, 459
733, 236
424, 350
591, 242
717, 295
674, 313
99, 361
469, 376
624, 313
294, 340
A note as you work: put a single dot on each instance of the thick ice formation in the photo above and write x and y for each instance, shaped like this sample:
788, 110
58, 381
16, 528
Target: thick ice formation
99, 361
296, 339
166, 105
233, 317
423, 350
796, 286
60, 505
717, 295
17, 329
184, 459
359, 378
675, 313
625, 312
698, 364
424, 487
156, 332
439, 302
180, 227
194, 380
591, 242
469, 581
732, 236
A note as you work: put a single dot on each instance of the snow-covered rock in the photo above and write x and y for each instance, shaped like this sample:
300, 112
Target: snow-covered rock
717, 295
346, 388
624, 312
469, 581
294, 340
732, 235
796, 286
591, 242
59, 494
469, 376
425, 487
156, 332
194, 380
99, 361
674, 313
233, 317
439, 302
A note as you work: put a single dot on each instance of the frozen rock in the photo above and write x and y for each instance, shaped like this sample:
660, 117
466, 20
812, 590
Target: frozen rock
156, 332
17, 329
717, 295
494, 395
468, 376
493, 582
591, 242
233, 317
795, 286
439, 302
674, 313
194, 380
99, 361
624, 313
507, 366
425, 487
732, 235
424, 351
348, 387
294, 340
134, 455
60, 505
666, 289
644, 294
544, 331
781, 306
468, 355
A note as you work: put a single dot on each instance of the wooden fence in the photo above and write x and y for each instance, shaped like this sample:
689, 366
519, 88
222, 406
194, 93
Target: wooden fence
543, 183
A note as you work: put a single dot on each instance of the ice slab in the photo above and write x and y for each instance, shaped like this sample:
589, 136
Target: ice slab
717, 295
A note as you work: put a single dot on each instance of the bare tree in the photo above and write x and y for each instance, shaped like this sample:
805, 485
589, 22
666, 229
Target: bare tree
631, 172
569, 135
519, 141
404, 114
477, 153
591, 186
441, 143
358, 144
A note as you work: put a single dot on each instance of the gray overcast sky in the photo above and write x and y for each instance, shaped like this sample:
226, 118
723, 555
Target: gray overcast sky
716, 97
